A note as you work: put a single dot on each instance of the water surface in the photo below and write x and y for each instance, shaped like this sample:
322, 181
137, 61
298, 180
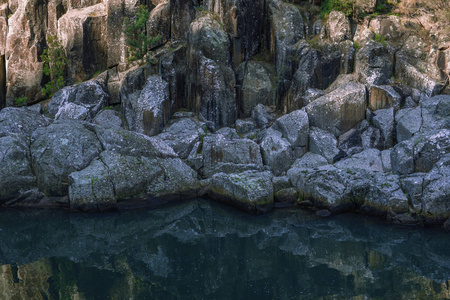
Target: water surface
202, 250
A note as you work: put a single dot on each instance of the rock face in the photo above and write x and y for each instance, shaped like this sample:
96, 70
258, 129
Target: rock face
233, 92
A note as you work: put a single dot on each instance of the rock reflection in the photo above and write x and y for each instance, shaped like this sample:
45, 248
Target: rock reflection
200, 250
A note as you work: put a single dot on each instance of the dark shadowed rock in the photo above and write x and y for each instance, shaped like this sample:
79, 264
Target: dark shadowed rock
431, 149
263, 116
402, 157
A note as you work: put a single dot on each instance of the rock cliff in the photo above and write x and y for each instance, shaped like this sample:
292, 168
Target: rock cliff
247, 102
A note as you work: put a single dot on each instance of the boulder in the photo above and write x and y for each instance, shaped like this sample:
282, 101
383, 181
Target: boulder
288, 195
385, 195
412, 185
244, 126
402, 157
91, 189
131, 143
430, 149
16, 175
280, 183
257, 87
325, 144
182, 134
78, 102
263, 116
229, 156
248, 191
369, 160
436, 191
338, 27
20, 121
159, 23
386, 160
435, 113
60, 149
276, 152
372, 138
294, 127
173, 69
373, 64
310, 161
330, 190
383, 119
149, 111
340, 110
409, 122
109, 118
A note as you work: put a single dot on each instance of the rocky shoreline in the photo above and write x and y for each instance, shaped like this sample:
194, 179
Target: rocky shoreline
293, 110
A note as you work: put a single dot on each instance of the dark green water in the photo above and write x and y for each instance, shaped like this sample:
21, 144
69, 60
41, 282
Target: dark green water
201, 250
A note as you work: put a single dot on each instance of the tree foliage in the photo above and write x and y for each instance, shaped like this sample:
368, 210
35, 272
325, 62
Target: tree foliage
55, 65
136, 34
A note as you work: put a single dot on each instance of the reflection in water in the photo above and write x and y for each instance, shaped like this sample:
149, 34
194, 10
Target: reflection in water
200, 250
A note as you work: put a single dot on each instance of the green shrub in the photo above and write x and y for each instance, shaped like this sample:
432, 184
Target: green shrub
21, 101
136, 35
345, 6
55, 65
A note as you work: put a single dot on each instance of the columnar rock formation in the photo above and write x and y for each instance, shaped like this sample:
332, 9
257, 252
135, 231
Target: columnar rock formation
334, 113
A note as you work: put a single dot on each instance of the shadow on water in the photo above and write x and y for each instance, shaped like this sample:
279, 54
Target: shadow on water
202, 250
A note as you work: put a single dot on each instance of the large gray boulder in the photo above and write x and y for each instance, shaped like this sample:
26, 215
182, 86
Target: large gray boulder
373, 64
149, 111
430, 149
276, 151
409, 122
109, 118
132, 143
383, 119
324, 143
436, 192
79, 102
310, 161
263, 116
249, 191
91, 189
385, 195
326, 186
369, 160
294, 127
16, 175
257, 87
20, 121
435, 113
221, 154
340, 110
182, 134
402, 157
412, 185
60, 149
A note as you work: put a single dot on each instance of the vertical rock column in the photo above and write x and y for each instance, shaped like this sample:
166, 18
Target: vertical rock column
3, 32
25, 43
